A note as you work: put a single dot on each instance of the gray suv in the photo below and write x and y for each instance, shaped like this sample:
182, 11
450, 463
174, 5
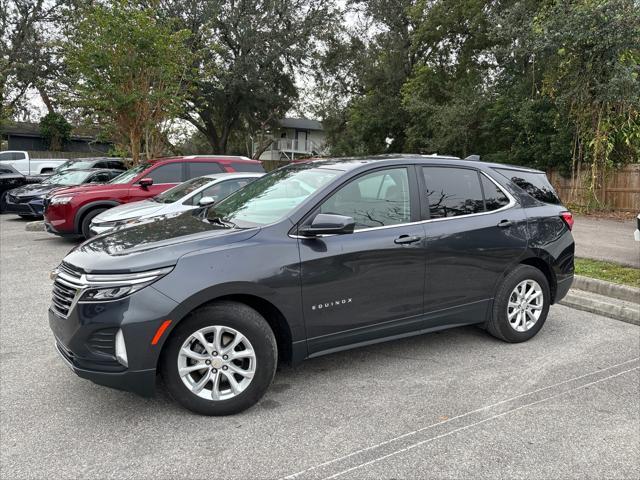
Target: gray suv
311, 259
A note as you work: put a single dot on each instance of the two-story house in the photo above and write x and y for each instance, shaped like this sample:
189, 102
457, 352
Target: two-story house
295, 138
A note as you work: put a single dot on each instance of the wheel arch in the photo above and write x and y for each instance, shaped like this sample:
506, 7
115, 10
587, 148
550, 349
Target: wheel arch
545, 268
82, 211
272, 314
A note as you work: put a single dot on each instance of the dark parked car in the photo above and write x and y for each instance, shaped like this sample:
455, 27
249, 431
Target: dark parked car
10, 178
110, 163
28, 201
311, 259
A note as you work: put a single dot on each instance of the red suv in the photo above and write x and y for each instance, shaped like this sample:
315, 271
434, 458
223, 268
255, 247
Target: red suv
69, 211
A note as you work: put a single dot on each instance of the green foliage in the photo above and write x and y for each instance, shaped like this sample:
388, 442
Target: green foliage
56, 130
543, 83
129, 70
245, 57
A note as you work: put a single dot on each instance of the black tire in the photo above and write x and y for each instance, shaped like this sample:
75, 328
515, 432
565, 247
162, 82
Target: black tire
85, 227
3, 201
499, 325
251, 325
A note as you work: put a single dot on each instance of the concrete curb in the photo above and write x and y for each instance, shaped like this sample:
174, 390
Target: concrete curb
620, 302
35, 226
621, 310
608, 289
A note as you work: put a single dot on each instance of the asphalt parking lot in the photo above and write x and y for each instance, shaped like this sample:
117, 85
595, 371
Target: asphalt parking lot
457, 404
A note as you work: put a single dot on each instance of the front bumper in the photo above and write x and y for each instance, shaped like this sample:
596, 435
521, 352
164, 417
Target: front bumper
20, 206
85, 339
142, 382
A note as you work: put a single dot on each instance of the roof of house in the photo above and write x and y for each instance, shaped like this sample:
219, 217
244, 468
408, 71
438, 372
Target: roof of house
32, 129
301, 123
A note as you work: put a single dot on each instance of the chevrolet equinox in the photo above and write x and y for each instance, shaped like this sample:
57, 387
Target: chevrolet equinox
310, 259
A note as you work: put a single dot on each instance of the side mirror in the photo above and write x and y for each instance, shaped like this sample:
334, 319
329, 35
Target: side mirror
145, 182
326, 224
206, 201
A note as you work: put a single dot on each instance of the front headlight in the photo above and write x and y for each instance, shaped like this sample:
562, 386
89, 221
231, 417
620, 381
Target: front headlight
60, 199
104, 287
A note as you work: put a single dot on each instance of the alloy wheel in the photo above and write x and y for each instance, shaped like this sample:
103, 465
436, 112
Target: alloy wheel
216, 363
525, 305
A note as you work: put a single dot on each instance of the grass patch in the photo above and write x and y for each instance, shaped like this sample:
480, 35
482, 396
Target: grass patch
609, 271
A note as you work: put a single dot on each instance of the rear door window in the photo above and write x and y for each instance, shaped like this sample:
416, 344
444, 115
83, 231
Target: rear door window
198, 169
452, 192
494, 197
535, 184
116, 165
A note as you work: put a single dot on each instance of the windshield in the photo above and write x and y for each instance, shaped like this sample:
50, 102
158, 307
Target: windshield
176, 193
130, 174
272, 197
70, 177
65, 166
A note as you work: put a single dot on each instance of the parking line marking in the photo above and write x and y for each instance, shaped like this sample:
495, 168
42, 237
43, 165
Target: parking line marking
471, 412
417, 444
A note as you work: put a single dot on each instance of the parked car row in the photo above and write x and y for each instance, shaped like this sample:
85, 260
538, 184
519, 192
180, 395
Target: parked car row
19, 199
71, 211
309, 259
79, 198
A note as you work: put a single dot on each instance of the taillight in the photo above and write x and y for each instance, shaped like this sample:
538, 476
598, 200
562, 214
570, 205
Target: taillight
568, 219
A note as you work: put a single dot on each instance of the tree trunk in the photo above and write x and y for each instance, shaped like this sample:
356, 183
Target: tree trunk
45, 99
135, 138
261, 149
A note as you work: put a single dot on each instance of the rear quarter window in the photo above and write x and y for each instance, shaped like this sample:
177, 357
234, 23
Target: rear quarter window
535, 184
247, 167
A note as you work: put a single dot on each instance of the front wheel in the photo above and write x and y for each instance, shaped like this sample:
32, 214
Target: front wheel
521, 305
220, 360
86, 222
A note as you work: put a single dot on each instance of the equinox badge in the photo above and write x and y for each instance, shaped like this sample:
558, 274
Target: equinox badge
334, 303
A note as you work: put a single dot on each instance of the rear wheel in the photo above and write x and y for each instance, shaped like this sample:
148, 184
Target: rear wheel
521, 305
86, 221
220, 360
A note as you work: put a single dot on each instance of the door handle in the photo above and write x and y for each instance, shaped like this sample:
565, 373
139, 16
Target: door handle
406, 239
505, 223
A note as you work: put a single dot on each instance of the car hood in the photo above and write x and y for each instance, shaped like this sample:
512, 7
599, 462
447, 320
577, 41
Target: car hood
94, 188
130, 210
158, 243
34, 189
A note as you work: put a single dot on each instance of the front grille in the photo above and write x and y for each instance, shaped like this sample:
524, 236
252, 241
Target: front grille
103, 342
22, 199
66, 288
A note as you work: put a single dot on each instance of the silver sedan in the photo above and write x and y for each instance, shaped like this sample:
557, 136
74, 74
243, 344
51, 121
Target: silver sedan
194, 193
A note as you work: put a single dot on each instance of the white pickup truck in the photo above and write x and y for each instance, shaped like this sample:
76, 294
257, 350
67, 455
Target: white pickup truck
26, 165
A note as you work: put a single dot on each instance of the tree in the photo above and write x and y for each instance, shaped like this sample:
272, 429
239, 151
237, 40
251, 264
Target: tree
55, 128
366, 71
593, 76
27, 55
130, 72
246, 55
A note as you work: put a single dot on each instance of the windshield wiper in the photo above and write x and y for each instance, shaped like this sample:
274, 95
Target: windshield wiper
221, 221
